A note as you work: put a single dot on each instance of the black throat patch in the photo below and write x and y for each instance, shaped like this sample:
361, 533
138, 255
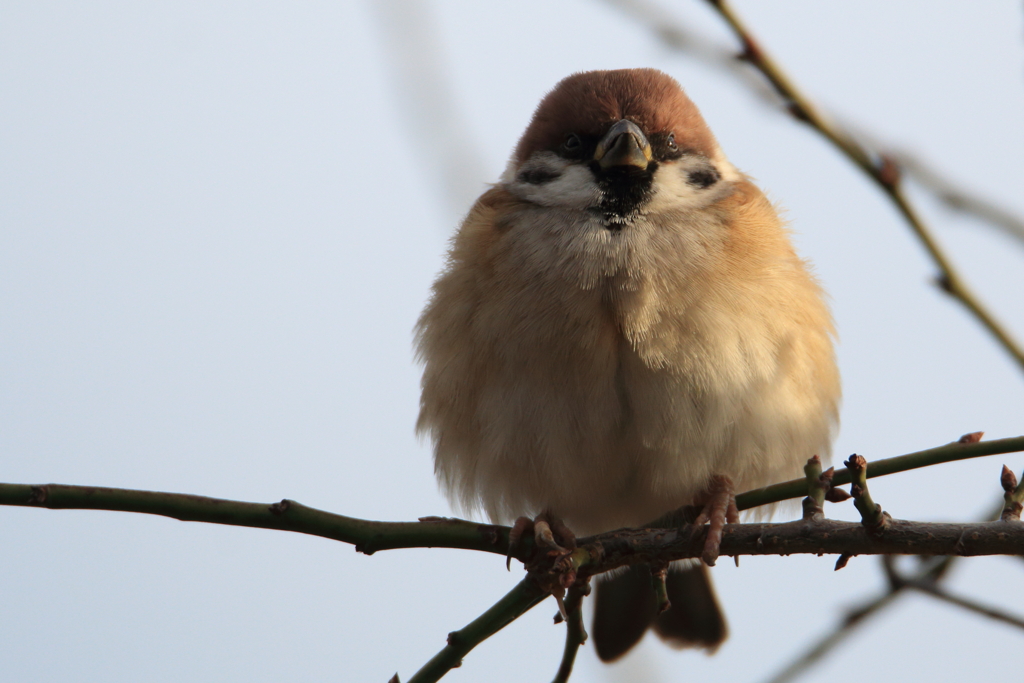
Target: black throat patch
625, 191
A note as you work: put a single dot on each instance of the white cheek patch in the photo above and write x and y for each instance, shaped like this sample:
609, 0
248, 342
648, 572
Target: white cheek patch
674, 187
549, 180
725, 168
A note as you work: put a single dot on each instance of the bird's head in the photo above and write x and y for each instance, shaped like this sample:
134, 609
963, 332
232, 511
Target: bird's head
618, 143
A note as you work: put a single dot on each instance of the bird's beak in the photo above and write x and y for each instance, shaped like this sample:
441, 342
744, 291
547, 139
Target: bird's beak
623, 145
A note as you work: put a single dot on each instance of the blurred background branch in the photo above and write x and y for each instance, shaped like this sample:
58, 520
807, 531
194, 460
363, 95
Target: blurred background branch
678, 37
880, 168
930, 572
437, 128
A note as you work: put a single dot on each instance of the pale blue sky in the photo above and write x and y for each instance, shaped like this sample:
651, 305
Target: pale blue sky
217, 229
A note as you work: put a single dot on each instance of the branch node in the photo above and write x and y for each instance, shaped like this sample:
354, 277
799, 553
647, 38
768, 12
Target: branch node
888, 170
973, 437
842, 561
896, 582
281, 507
1011, 513
798, 112
959, 546
38, 495
1013, 496
1008, 480
871, 514
943, 282
837, 495
814, 503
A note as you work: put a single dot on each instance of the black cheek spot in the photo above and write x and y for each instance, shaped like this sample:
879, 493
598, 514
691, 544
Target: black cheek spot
538, 176
703, 178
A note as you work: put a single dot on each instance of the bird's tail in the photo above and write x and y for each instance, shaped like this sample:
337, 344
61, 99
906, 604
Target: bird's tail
625, 606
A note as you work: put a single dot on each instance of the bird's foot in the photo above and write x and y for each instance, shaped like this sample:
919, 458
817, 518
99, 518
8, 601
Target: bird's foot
550, 533
554, 543
719, 510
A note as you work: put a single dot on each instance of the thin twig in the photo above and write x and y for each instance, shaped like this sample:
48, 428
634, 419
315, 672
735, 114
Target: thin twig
675, 36
825, 645
947, 191
883, 170
423, 86
951, 452
932, 569
524, 597
287, 515
930, 588
871, 513
575, 633
814, 503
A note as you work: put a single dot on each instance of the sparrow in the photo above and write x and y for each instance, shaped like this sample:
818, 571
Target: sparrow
623, 328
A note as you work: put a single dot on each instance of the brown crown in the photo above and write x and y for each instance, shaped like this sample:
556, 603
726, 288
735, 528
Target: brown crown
587, 103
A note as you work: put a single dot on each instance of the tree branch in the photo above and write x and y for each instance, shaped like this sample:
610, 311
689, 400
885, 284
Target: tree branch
934, 590
608, 551
575, 633
882, 169
521, 599
430, 532
967, 447
931, 570
367, 536
826, 644
676, 36
595, 554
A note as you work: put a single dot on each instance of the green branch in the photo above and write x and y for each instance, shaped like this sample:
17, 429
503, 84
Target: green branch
593, 555
525, 596
951, 452
575, 633
367, 536
431, 532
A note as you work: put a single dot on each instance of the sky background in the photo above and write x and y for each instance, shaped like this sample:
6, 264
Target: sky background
218, 225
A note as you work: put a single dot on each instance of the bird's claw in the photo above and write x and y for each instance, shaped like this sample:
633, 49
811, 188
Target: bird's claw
554, 542
515, 534
719, 510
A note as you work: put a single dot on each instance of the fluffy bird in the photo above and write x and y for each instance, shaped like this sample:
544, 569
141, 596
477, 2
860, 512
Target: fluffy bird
623, 328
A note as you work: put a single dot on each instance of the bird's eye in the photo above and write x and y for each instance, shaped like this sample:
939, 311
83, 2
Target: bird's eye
672, 142
572, 143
